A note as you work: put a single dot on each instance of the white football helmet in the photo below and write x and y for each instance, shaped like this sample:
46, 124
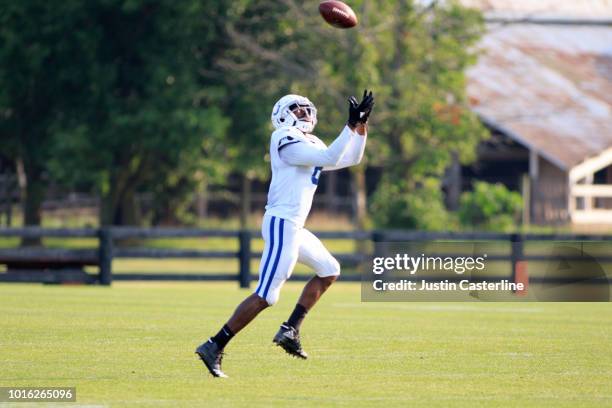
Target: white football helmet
283, 116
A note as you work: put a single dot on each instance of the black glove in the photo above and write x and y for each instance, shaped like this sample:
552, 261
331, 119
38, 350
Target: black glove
359, 112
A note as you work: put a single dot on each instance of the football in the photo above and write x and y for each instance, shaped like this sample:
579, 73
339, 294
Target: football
338, 14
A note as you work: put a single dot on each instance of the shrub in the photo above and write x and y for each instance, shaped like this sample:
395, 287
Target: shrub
491, 207
395, 205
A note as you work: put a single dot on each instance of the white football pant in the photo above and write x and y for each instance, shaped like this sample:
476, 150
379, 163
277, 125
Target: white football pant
286, 244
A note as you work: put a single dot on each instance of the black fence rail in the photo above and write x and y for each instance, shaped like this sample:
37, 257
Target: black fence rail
53, 265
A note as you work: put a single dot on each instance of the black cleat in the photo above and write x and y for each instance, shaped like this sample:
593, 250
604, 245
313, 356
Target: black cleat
211, 356
289, 339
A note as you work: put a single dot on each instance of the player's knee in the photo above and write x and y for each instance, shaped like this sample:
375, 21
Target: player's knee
330, 273
332, 269
263, 303
336, 268
272, 297
328, 280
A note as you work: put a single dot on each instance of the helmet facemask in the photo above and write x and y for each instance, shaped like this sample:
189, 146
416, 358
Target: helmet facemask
305, 116
295, 111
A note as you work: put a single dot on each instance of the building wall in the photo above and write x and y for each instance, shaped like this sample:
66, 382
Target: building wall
550, 195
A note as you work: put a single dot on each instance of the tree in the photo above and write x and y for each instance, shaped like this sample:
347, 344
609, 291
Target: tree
40, 80
107, 94
285, 48
422, 115
253, 83
148, 124
413, 57
162, 96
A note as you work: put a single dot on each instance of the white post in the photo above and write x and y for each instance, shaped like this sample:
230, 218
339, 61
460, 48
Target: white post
588, 199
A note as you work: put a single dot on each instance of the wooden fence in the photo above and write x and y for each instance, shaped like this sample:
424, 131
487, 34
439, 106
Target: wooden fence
36, 264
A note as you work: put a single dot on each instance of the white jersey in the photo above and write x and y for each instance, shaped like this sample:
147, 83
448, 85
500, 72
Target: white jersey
297, 160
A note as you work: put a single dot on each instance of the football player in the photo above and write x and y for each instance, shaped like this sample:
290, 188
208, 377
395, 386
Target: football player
297, 158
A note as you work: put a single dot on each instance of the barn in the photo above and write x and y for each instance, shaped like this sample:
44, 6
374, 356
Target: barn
543, 86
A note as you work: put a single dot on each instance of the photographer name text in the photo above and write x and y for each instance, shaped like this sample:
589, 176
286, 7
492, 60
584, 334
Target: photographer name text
446, 285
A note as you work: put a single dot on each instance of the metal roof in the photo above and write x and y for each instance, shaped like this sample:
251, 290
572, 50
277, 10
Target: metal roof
543, 8
548, 86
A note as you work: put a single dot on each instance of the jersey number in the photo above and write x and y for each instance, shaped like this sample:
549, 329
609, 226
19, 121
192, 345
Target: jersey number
315, 175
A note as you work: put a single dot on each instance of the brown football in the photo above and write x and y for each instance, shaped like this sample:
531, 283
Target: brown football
338, 14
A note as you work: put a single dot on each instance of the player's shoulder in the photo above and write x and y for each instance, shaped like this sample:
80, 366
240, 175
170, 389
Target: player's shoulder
287, 135
292, 132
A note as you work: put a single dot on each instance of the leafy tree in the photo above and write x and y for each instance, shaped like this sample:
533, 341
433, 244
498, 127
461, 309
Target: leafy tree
255, 71
422, 113
41, 80
107, 94
149, 124
285, 47
163, 96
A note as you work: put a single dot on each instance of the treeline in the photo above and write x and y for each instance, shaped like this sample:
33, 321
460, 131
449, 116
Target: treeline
119, 97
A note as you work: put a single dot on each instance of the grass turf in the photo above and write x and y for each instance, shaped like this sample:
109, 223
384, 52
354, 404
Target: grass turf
132, 345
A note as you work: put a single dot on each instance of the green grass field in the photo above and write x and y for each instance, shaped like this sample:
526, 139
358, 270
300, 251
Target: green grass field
132, 345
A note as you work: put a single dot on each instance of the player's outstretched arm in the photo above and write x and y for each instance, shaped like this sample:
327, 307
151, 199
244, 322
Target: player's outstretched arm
304, 154
336, 155
355, 150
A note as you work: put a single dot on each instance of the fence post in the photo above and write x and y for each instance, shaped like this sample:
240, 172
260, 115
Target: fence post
106, 256
516, 254
378, 238
244, 255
